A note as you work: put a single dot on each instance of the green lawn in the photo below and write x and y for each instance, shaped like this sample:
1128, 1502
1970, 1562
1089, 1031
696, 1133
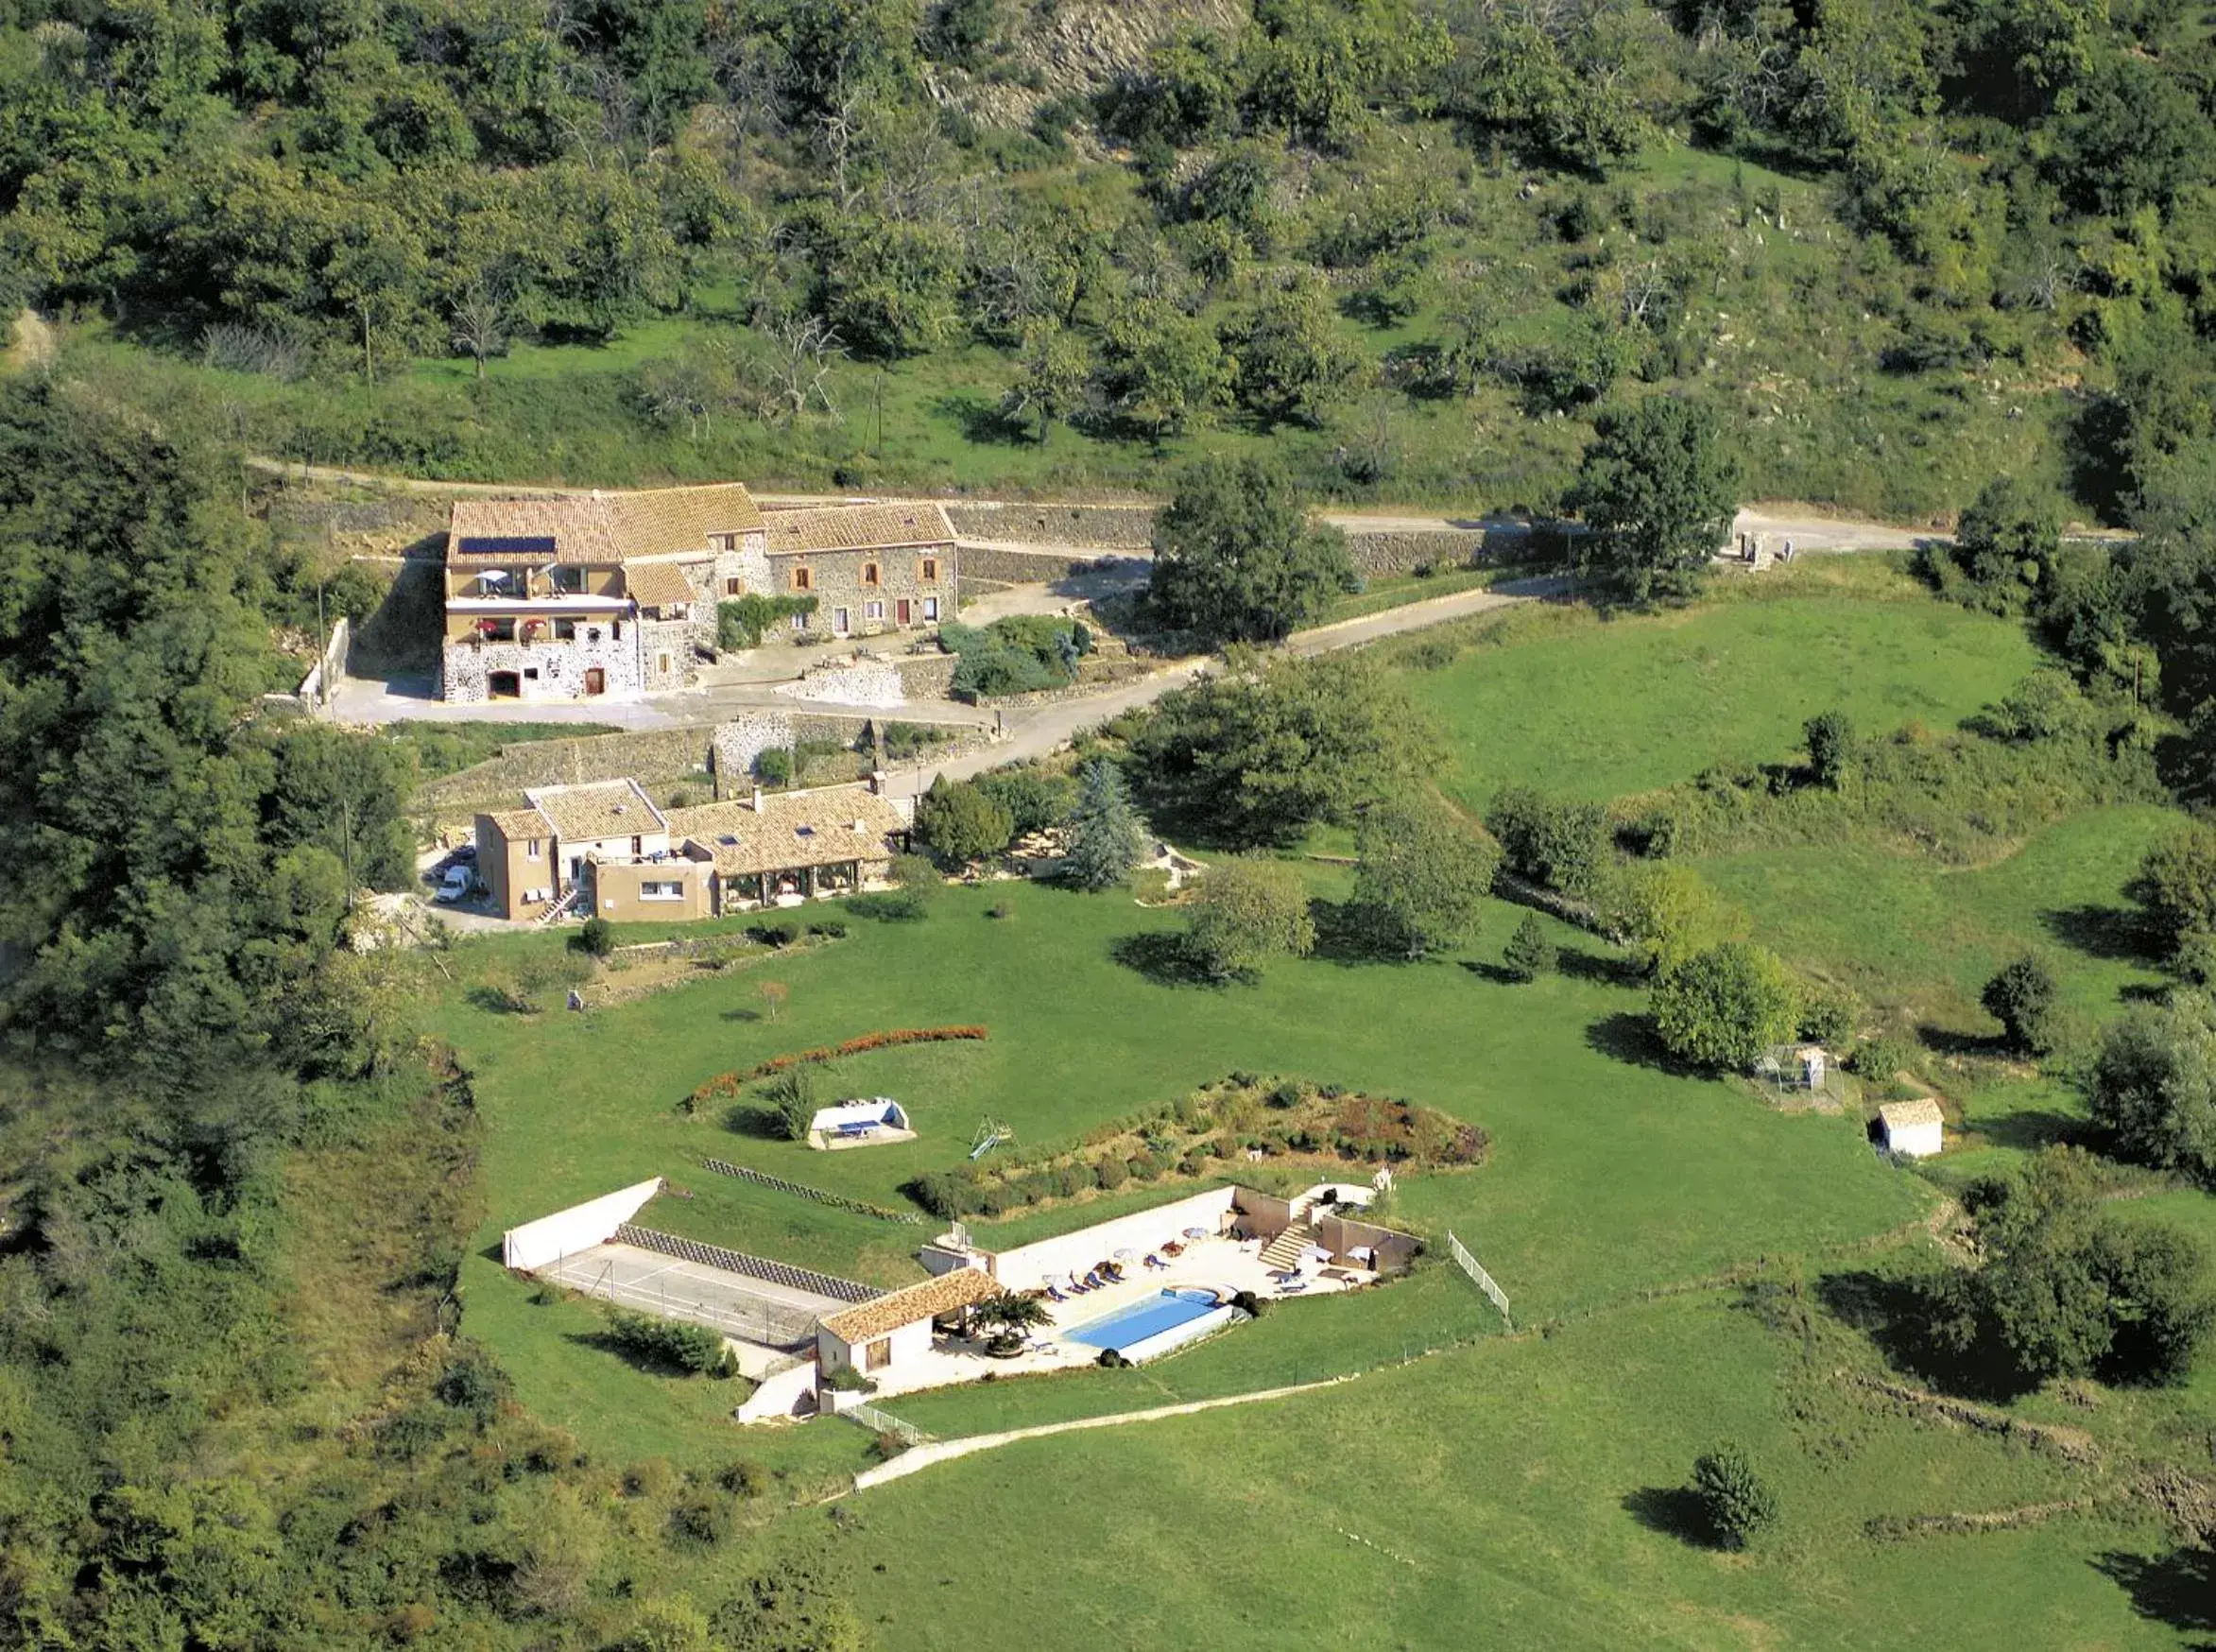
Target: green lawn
1900, 928
1498, 1495
1604, 709
1608, 1174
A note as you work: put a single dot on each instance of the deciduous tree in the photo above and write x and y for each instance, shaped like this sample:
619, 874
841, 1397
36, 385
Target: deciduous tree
1658, 492
1236, 557
1423, 875
1244, 913
1724, 1006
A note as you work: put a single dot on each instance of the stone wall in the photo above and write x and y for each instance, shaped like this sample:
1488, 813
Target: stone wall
1019, 567
545, 670
651, 755
1109, 526
1380, 556
926, 676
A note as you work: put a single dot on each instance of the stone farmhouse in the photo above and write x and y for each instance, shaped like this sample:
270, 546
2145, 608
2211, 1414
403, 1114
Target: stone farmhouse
616, 594
606, 850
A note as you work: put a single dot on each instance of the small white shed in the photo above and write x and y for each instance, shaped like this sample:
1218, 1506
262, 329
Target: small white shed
1913, 1129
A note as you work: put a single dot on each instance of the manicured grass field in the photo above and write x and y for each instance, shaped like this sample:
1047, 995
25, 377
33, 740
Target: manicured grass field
1900, 928
1506, 1494
1608, 1174
1623, 706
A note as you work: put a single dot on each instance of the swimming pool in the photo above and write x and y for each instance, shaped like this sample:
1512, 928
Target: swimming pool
1149, 1318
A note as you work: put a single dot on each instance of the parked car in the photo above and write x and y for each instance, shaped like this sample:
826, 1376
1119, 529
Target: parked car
455, 885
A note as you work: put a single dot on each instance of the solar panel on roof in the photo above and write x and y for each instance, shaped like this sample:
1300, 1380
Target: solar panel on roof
508, 546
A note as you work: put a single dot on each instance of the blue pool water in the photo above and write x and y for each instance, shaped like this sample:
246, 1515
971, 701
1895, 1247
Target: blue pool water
1137, 1322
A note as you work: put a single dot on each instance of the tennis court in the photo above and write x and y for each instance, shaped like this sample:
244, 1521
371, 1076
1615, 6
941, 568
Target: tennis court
751, 1310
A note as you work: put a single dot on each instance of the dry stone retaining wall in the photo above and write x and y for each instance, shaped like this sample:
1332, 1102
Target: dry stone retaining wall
1118, 527
1377, 556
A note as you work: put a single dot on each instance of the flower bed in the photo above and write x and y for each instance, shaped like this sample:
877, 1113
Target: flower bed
726, 1086
1287, 1122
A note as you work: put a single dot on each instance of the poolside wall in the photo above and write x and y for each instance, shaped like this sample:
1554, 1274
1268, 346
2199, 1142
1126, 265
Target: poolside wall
1025, 1269
1262, 1216
1178, 1335
579, 1228
1395, 1250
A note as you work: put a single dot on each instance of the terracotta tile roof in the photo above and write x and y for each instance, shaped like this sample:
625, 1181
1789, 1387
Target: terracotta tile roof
1901, 1115
793, 828
612, 808
599, 527
858, 527
934, 1297
657, 584
520, 823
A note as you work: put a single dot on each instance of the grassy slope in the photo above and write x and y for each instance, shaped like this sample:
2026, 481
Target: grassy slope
1689, 1175
1604, 708
1495, 1482
1893, 926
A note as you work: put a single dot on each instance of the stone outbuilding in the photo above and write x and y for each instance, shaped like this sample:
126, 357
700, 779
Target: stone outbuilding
873, 569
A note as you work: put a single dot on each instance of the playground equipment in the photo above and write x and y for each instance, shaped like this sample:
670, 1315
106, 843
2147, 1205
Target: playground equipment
991, 1132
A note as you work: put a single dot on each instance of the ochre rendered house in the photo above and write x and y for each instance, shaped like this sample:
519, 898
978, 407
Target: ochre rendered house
605, 850
615, 593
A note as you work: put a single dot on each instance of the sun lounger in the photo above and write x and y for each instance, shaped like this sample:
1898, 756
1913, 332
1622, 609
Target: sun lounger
1093, 1282
1293, 1290
1056, 1295
1153, 1261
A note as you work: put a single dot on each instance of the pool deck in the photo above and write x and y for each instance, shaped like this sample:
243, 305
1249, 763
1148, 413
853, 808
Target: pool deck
1227, 1265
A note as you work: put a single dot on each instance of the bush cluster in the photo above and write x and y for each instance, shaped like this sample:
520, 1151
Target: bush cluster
672, 1342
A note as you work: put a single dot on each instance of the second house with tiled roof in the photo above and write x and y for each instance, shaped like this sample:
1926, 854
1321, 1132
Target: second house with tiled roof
616, 594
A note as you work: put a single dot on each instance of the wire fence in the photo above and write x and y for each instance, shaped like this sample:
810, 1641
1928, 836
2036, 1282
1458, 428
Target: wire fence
762, 1323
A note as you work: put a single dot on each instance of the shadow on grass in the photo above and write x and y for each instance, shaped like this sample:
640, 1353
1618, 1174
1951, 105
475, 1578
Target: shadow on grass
1498, 974
2031, 1128
982, 421
1948, 1041
1344, 935
1162, 956
1599, 969
742, 1014
744, 1119
500, 1001
1910, 1321
2101, 932
2177, 1588
1674, 1511
1629, 1037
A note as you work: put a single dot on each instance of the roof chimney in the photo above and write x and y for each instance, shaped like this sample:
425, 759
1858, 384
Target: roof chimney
757, 799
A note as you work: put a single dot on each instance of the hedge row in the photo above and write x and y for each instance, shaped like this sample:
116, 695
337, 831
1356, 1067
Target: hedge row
838, 1202
725, 1086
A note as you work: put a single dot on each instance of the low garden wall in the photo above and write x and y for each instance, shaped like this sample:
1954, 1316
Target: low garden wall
647, 755
1380, 556
993, 562
1143, 1230
1112, 526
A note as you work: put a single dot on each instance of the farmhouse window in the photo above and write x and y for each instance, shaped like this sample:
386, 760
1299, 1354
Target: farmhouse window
930, 569
531, 850
569, 581
799, 622
873, 611
803, 580
869, 573
880, 1353
931, 610
838, 620
730, 586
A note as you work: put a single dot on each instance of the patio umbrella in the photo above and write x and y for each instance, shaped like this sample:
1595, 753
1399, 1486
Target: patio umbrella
1124, 1255
1196, 1232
